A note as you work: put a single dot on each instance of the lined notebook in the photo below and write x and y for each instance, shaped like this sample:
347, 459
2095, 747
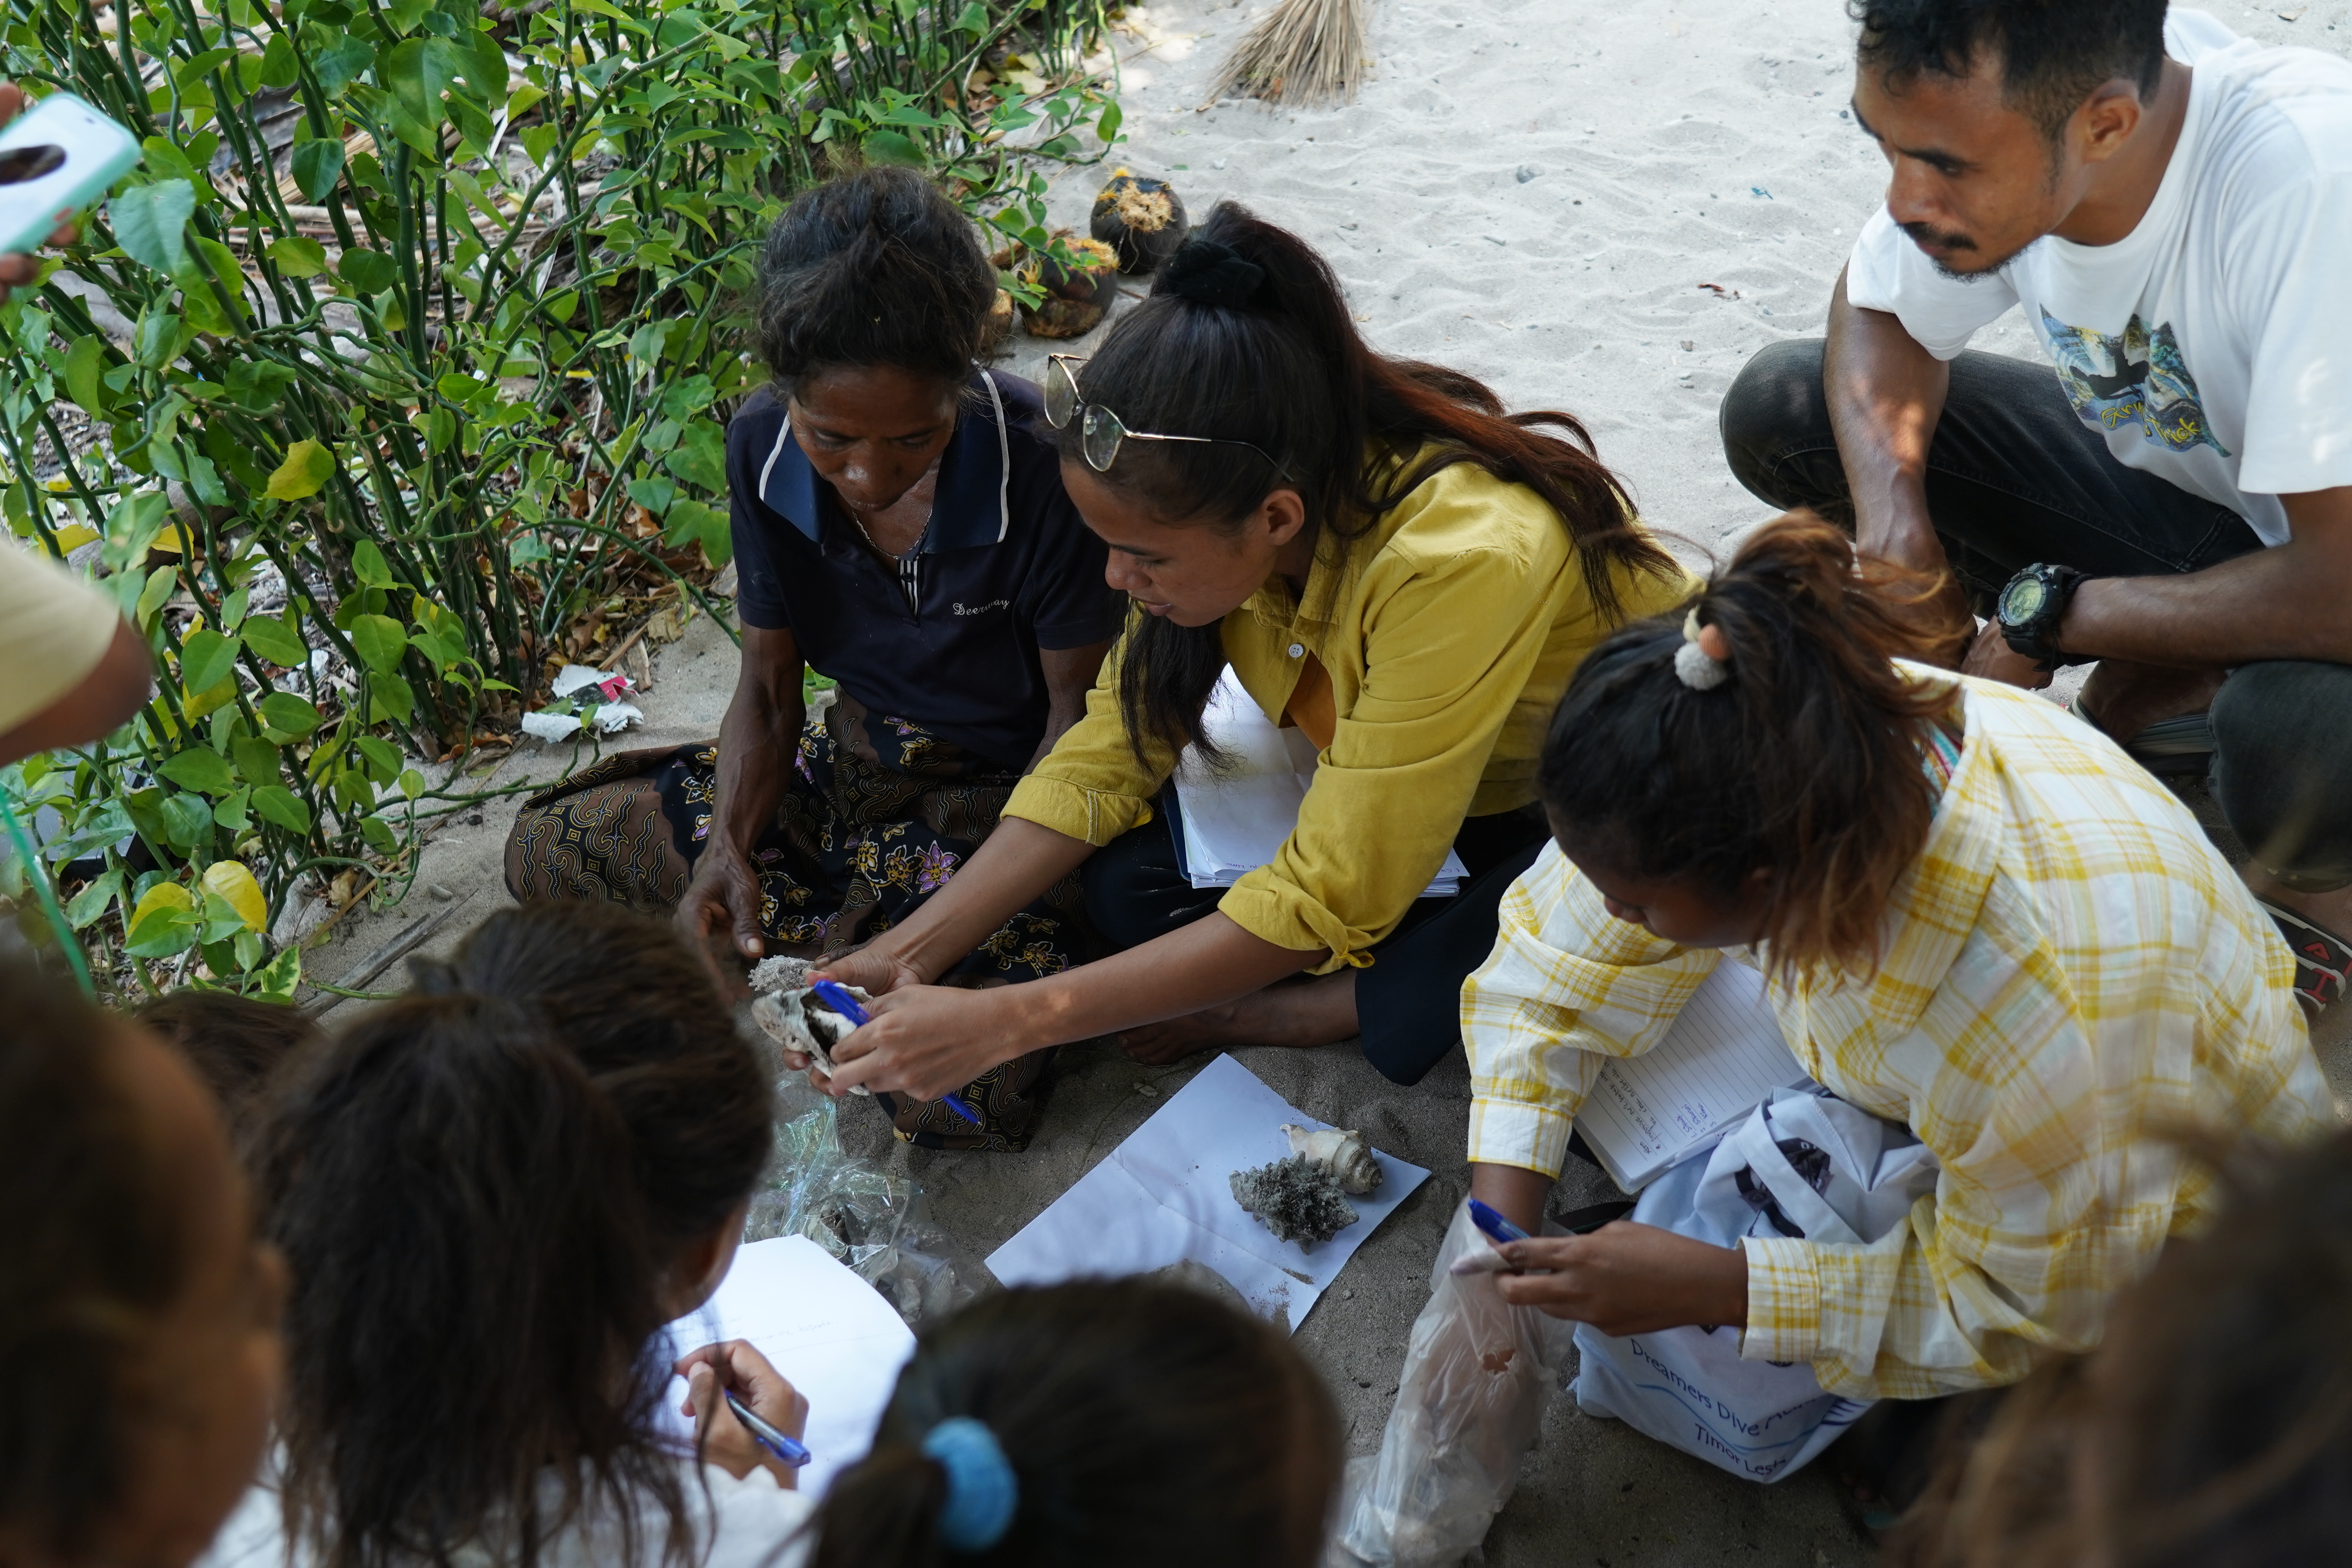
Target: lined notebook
1722, 1056
1234, 821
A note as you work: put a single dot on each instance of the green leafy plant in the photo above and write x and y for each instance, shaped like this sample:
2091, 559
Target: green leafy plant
398, 375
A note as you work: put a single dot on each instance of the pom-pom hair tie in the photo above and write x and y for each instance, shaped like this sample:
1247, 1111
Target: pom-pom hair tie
982, 1491
1704, 661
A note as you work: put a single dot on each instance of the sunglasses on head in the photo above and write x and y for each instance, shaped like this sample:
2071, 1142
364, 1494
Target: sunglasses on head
1100, 433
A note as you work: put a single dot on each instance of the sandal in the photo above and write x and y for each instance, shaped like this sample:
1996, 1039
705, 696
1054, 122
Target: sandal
2321, 957
2169, 748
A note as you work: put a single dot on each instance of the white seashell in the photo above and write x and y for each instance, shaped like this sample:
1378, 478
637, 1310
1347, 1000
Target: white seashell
1340, 1151
797, 1021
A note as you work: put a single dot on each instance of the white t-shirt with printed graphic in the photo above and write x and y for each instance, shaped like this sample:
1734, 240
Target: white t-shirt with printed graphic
2213, 344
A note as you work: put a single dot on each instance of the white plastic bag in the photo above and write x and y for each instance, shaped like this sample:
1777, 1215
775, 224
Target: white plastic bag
1803, 1164
1478, 1374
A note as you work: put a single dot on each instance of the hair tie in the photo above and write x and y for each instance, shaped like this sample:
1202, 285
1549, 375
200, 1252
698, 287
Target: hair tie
1704, 661
1210, 273
982, 1491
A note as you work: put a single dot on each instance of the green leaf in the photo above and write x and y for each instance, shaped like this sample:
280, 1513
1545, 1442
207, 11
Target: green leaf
653, 494
275, 980
85, 365
369, 566
379, 640
318, 166
306, 471
336, 69
198, 768
297, 257
277, 62
392, 697
690, 521
406, 13
164, 931
281, 805
288, 714
412, 782
160, 584
257, 760
94, 900
367, 271
645, 344
383, 760
148, 221
894, 147
187, 820
702, 456
417, 71
278, 640
230, 812
204, 657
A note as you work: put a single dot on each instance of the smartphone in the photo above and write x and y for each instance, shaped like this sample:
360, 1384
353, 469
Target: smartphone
56, 157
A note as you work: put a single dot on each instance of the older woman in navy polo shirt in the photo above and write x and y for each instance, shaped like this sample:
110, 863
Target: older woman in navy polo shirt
900, 527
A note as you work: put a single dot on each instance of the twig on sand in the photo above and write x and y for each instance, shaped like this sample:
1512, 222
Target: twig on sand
1301, 51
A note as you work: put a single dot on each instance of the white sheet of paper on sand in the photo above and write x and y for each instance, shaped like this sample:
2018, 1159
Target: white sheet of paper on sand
829, 1332
1722, 1056
1164, 1195
1235, 820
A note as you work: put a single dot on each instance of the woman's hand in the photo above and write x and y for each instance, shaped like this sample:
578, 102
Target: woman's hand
725, 894
1627, 1279
875, 967
709, 1373
930, 1040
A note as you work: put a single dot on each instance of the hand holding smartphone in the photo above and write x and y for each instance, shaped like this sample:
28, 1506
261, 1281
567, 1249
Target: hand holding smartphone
54, 162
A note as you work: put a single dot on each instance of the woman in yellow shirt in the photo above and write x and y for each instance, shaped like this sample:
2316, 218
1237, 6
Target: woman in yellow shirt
1386, 560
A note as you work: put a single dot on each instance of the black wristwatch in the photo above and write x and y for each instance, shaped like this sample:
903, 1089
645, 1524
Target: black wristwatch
2029, 609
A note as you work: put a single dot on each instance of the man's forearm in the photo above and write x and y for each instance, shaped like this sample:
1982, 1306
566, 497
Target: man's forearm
2265, 605
1885, 394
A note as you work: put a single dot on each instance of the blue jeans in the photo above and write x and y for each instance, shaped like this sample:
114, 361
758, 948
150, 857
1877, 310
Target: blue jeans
2014, 477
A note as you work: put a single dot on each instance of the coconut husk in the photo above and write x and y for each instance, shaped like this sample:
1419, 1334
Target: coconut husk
1302, 51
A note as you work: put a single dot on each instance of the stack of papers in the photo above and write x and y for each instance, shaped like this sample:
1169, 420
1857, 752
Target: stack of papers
829, 1332
1722, 1058
1165, 1195
1236, 821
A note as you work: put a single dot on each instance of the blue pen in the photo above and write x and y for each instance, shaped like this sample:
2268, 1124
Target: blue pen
1494, 1224
842, 1003
790, 1450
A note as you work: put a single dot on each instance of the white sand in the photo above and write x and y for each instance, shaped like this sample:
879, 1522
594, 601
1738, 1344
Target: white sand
1648, 127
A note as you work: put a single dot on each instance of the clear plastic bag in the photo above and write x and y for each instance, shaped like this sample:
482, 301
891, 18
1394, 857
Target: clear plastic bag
874, 1219
1478, 1373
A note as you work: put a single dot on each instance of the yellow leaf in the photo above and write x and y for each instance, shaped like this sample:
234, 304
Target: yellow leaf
220, 694
163, 896
172, 540
307, 469
237, 889
73, 536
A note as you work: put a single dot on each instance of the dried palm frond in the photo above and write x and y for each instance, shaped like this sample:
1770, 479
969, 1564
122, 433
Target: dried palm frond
1301, 51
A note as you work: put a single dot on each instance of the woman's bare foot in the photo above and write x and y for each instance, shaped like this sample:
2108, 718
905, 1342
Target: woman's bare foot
1297, 1013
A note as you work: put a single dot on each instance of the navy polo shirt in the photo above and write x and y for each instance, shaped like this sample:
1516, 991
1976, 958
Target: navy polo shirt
949, 640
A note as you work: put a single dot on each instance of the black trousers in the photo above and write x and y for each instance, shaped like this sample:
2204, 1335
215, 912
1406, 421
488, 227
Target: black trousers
1409, 999
2014, 477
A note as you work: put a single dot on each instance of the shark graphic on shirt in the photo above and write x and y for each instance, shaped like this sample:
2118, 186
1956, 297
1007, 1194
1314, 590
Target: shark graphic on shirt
2136, 378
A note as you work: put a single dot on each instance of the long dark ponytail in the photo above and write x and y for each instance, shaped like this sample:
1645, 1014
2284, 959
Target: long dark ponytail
481, 1191
1246, 337
1805, 762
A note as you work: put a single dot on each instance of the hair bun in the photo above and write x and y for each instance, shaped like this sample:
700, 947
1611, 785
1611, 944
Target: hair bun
1210, 273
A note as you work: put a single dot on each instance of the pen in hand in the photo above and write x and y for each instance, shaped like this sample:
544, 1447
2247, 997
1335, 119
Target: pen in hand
790, 1449
842, 1003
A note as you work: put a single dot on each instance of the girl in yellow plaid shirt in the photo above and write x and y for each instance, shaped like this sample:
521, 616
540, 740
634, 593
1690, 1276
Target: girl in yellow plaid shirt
1976, 916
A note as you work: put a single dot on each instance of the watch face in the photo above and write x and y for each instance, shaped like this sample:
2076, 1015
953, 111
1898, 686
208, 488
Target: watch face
2023, 600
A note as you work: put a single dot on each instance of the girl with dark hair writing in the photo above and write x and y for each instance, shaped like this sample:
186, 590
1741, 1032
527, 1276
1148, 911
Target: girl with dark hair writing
1975, 915
1388, 562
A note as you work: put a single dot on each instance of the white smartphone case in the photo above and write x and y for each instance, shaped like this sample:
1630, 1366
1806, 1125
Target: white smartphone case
56, 159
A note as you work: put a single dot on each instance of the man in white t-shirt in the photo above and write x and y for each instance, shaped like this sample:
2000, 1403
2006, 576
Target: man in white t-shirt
2170, 205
